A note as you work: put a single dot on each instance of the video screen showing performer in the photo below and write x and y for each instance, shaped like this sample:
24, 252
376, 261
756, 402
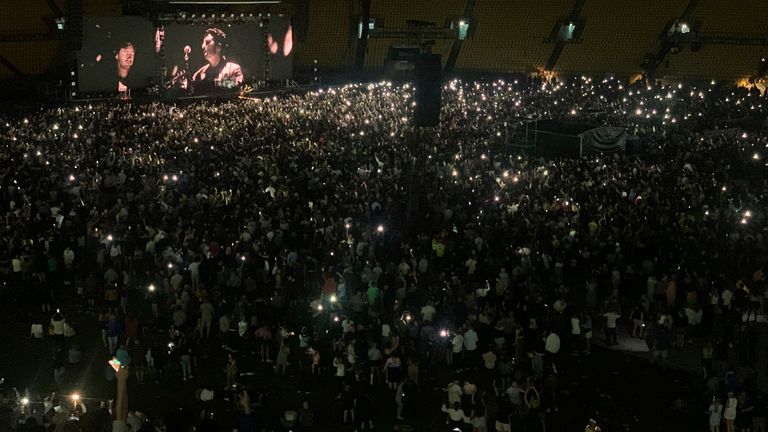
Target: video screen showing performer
213, 58
218, 69
124, 62
116, 55
280, 47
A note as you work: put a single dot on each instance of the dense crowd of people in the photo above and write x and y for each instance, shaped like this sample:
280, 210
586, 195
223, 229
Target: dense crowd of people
320, 234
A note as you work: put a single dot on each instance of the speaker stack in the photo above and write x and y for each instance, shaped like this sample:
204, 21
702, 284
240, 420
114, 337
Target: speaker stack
429, 86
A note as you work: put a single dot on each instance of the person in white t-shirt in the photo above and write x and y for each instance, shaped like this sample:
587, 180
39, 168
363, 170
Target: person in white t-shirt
69, 257
610, 326
457, 346
18, 266
727, 297
576, 333
489, 360
403, 267
58, 324
470, 340
471, 265
36, 331
552, 343
454, 392
427, 313
374, 360
341, 371
347, 326
194, 273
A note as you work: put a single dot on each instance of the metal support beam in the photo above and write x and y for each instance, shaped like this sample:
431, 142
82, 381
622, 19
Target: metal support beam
469, 10
29, 38
57, 12
427, 33
12, 67
667, 43
557, 50
362, 41
726, 39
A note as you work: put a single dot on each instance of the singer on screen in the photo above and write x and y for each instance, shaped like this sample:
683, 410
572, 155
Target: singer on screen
124, 57
219, 69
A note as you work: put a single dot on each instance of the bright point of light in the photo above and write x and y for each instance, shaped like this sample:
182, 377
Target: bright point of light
71, 177
747, 213
743, 221
151, 287
75, 397
109, 237
380, 228
175, 177
319, 307
165, 177
454, 173
333, 298
24, 401
756, 156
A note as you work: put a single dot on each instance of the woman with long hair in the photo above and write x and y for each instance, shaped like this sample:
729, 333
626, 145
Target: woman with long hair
715, 415
730, 412
392, 370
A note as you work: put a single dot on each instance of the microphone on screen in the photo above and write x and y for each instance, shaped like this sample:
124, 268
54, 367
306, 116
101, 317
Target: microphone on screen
187, 51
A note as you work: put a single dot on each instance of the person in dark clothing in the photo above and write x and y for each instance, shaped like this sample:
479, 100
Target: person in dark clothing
661, 343
160, 356
504, 413
97, 420
363, 412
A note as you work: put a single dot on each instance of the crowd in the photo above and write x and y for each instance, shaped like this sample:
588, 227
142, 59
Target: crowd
319, 234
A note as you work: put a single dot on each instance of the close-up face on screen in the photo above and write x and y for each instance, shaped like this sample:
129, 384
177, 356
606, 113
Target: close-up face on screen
203, 58
117, 54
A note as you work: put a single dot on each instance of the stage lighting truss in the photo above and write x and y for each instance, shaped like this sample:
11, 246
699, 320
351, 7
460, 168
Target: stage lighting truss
183, 17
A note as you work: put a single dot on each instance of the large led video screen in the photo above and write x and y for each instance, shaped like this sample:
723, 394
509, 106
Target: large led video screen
205, 58
280, 48
127, 53
117, 54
